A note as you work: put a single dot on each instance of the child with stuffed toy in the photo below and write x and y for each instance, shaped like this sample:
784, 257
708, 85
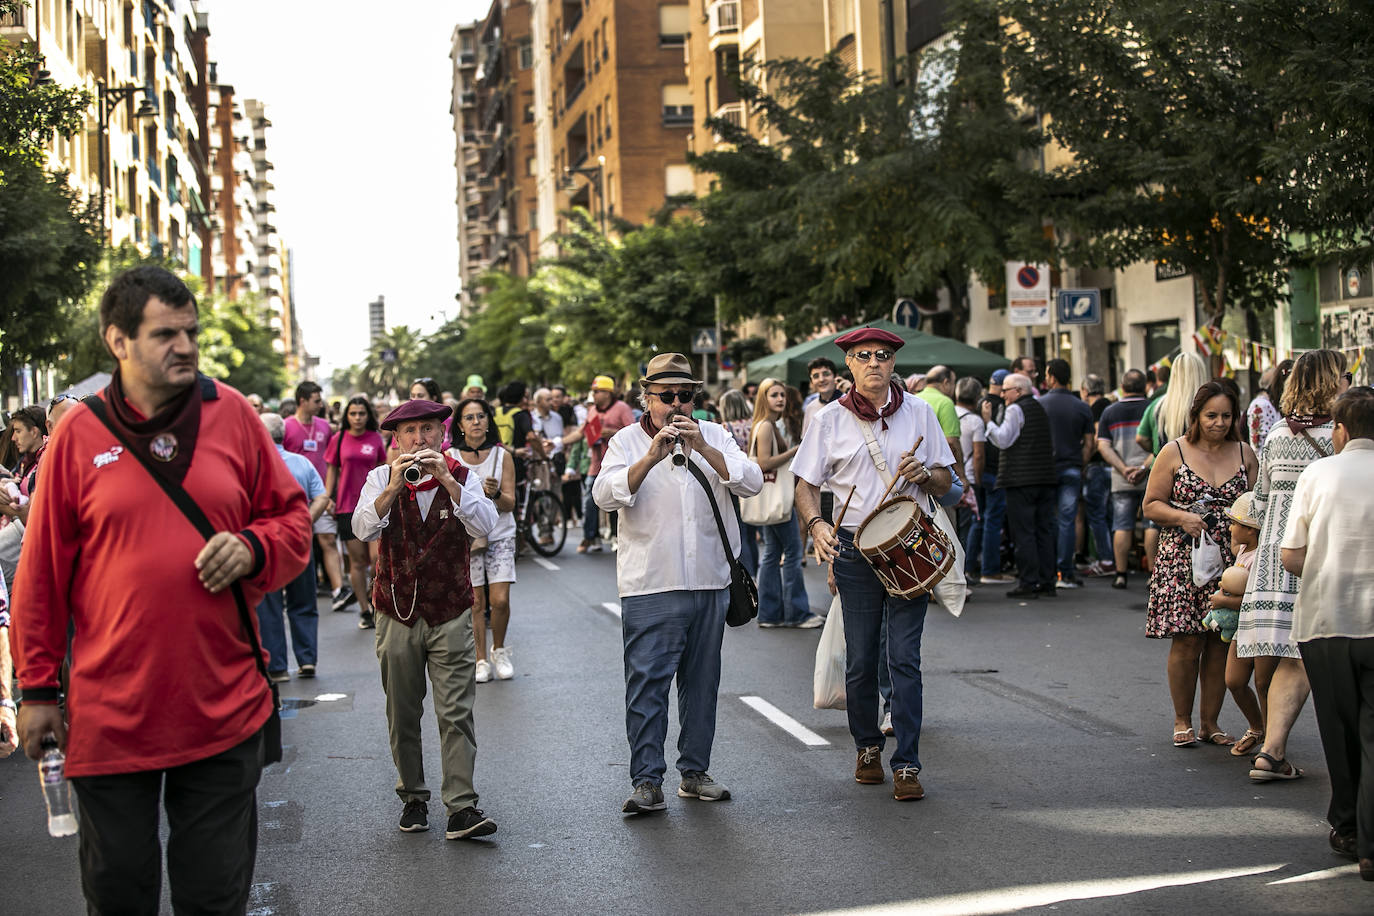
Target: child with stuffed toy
1225, 615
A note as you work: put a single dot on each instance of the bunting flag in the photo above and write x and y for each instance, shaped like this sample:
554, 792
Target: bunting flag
1358, 362
1164, 363
1208, 340
1228, 364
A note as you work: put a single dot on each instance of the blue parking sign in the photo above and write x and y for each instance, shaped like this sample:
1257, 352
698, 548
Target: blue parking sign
1079, 306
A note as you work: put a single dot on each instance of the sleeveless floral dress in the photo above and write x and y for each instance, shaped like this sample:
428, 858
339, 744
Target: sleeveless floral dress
1176, 605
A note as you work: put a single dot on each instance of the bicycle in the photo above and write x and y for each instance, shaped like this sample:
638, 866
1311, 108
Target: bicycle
539, 511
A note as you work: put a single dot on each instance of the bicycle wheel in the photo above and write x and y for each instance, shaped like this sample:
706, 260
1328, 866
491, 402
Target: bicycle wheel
547, 531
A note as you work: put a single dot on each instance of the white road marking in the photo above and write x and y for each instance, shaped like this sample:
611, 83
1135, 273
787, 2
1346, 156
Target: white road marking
785, 722
330, 697
547, 564
1323, 875
1013, 899
613, 607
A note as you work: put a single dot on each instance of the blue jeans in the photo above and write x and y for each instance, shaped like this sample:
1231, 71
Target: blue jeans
304, 615
591, 514
994, 510
1097, 490
671, 634
963, 526
782, 593
869, 614
1070, 491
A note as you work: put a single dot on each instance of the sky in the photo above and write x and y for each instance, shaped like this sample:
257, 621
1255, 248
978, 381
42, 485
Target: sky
362, 144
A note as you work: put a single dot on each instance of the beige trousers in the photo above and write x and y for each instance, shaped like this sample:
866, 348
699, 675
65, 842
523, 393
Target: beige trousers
447, 654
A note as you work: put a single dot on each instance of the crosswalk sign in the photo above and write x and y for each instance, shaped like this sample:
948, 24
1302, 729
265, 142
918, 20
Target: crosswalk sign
704, 340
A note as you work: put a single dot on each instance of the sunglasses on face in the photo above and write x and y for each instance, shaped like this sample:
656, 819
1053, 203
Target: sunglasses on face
68, 397
864, 356
684, 396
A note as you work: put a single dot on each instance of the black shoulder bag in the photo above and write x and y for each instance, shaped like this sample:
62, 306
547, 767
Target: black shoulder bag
744, 597
271, 730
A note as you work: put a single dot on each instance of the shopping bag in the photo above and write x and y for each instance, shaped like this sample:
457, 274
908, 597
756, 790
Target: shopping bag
952, 590
1207, 561
829, 678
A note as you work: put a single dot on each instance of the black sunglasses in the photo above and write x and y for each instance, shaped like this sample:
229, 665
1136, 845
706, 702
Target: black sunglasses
864, 356
71, 397
684, 395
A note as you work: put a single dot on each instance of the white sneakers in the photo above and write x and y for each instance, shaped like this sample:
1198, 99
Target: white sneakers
483, 671
500, 659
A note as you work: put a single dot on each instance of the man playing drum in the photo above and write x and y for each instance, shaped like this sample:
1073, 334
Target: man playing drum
835, 450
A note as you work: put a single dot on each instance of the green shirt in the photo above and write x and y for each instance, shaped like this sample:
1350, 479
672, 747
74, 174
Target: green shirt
944, 410
1149, 427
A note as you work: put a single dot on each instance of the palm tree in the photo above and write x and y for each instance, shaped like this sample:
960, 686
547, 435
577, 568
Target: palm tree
391, 362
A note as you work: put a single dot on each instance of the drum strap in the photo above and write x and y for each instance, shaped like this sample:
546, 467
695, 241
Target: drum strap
875, 451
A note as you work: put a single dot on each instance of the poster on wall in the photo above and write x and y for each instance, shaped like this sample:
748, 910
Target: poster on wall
1352, 332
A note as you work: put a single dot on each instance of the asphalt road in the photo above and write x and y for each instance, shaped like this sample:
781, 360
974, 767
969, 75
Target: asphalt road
1049, 773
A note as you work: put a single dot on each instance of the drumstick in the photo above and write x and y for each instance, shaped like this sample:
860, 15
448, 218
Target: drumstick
843, 509
897, 477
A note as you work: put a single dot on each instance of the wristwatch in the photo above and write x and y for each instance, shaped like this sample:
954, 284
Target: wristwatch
7, 703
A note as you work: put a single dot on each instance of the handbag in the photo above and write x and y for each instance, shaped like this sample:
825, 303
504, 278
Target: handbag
828, 681
271, 729
773, 504
1207, 561
744, 596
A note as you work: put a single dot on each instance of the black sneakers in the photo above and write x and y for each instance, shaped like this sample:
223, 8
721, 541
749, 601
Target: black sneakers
415, 817
342, 598
469, 824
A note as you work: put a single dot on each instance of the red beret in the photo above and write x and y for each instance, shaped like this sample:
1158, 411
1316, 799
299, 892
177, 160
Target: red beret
877, 335
418, 409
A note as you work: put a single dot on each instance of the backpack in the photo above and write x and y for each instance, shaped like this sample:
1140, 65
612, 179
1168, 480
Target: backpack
505, 425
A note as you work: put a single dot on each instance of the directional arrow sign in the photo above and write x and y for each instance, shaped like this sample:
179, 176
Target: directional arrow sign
906, 313
704, 340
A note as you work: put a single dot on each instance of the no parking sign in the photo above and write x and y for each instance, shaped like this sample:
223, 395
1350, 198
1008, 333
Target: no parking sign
1028, 294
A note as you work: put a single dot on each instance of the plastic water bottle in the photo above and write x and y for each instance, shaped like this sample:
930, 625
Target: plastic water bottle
57, 792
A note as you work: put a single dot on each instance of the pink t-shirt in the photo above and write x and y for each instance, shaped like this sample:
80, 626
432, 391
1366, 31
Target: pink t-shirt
360, 455
309, 442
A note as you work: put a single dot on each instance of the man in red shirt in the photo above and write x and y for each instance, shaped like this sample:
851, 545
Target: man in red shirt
307, 433
608, 416
165, 700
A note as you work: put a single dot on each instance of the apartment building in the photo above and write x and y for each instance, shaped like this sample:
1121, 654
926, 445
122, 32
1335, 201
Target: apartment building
270, 249
467, 159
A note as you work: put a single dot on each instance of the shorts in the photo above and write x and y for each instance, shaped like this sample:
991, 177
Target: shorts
325, 524
1125, 508
495, 564
345, 522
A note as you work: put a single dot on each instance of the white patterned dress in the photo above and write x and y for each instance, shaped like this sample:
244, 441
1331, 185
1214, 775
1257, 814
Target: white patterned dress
1266, 613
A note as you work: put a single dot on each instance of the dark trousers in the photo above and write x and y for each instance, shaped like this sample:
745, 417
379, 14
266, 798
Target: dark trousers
212, 816
302, 611
1341, 671
1032, 515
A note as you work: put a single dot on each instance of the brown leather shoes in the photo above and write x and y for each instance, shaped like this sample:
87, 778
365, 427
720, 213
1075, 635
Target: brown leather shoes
1367, 869
869, 769
905, 785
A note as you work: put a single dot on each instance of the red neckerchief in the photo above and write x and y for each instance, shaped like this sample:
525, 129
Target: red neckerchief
453, 465
169, 436
1299, 422
646, 423
863, 408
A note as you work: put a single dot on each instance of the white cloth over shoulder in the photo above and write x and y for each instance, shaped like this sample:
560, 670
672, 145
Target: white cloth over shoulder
834, 451
667, 538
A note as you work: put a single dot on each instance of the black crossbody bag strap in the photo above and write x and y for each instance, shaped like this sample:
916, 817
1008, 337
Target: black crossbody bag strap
183, 501
715, 509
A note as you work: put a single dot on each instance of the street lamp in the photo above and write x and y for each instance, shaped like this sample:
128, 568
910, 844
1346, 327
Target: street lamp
599, 170
109, 98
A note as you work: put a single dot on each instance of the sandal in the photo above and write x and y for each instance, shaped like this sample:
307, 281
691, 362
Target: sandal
1185, 738
1220, 739
1282, 769
1247, 743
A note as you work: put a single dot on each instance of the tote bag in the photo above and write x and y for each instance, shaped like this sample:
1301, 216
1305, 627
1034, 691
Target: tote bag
773, 504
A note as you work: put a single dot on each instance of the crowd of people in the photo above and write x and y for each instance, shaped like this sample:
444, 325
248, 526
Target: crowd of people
1245, 520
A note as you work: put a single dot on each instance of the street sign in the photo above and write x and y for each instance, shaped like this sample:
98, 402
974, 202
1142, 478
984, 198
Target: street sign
704, 341
906, 313
1028, 294
1079, 306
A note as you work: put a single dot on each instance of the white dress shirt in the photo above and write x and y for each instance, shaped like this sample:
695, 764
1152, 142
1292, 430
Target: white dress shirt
834, 451
550, 427
1329, 515
1005, 434
474, 510
668, 540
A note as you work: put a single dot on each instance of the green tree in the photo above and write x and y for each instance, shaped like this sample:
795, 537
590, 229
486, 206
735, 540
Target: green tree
392, 362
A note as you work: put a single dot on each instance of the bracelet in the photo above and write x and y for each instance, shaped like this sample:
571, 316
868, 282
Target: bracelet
812, 520
7, 703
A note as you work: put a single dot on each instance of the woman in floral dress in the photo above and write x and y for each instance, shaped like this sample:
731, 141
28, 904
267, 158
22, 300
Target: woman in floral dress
1194, 480
1266, 613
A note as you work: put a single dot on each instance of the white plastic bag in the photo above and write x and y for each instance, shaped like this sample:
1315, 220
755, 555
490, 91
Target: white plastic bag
1207, 561
829, 678
952, 590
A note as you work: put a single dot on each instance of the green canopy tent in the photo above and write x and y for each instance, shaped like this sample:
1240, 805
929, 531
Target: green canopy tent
920, 352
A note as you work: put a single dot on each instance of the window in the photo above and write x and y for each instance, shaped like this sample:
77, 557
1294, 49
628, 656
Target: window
677, 179
673, 24
677, 105
608, 117
605, 40
531, 166
534, 220
529, 112
526, 53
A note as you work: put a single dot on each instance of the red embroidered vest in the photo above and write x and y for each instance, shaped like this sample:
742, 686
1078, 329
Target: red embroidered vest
422, 564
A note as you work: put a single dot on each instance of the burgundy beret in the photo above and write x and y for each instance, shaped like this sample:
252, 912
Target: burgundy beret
877, 335
418, 409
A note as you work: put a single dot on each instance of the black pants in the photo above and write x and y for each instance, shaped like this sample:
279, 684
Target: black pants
212, 816
1032, 516
1341, 671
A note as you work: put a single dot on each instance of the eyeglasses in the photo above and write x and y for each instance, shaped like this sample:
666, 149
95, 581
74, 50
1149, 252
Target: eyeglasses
1349, 379
71, 397
472, 417
864, 356
685, 396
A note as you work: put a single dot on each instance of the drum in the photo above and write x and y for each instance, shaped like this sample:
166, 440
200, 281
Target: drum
905, 547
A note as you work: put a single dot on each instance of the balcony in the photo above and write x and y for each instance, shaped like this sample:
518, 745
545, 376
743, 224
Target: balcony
13, 20
732, 112
467, 59
468, 99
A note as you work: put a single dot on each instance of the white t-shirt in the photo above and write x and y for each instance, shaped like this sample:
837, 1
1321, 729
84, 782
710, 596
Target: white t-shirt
1329, 515
833, 450
971, 430
550, 427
